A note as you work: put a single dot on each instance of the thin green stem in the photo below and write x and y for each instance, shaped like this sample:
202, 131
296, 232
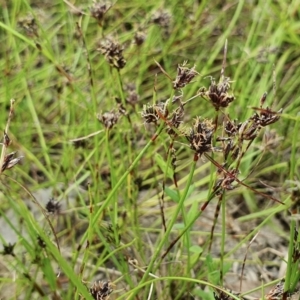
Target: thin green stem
169, 228
113, 183
129, 295
122, 180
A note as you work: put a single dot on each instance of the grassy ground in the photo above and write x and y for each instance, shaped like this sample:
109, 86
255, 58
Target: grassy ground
128, 155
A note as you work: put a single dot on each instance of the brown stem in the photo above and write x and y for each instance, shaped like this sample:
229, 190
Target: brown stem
5, 144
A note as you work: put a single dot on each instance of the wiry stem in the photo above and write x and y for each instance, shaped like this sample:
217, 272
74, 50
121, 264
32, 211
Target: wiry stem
224, 62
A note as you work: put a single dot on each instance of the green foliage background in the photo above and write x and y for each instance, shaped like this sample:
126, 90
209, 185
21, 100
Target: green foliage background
112, 205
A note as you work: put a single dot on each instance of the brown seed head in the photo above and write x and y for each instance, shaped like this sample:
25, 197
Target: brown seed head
175, 120
7, 140
101, 290
41, 242
28, 24
162, 18
139, 38
276, 292
133, 98
184, 76
53, 207
108, 119
113, 53
266, 116
248, 131
132, 95
232, 127
200, 136
99, 9
225, 183
8, 249
271, 140
10, 161
218, 94
152, 113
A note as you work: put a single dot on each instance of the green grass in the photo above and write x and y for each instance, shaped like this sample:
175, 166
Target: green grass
123, 220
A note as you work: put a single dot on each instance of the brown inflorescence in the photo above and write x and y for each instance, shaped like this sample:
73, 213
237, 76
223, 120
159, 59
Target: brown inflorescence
139, 38
53, 207
101, 290
266, 117
108, 119
99, 9
200, 136
162, 18
217, 93
113, 53
175, 120
9, 161
184, 76
29, 25
152, 113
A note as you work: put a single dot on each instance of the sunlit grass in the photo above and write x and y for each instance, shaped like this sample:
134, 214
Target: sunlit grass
123, 218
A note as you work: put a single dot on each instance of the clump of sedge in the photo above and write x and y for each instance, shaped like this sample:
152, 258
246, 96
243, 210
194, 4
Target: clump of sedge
236, 137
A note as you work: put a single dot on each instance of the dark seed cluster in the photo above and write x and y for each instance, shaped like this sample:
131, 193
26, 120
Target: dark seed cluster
200, 136
29, 26
8, 161
225, 180
53, 207
266, 117
175, 121
184, 76
99, 9
236, 137
101, 290
113, 53
153, 113
218, 94
8, 249
162, 18
140, 37
109, 119
132, 95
